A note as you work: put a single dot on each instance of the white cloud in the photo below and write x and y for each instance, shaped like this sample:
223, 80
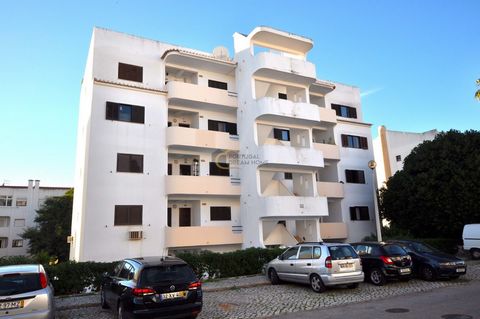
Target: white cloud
370, 92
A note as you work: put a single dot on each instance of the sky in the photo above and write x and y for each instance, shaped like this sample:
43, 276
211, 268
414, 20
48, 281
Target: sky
415, 62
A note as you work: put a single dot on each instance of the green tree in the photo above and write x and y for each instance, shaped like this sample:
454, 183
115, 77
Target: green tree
477, 94
53, 220
438, 190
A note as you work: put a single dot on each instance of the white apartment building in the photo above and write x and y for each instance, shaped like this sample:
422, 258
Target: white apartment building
18, 209
391, 147
185, 150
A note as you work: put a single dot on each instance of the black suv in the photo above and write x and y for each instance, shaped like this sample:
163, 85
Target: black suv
430, 263
152, 287
382, 261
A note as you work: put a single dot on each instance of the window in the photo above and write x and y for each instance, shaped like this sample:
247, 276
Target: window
398, 158
306, 252
21, 202
217, 84
3, 242
359, 213
169, 217
290, 253
345, 111
220, 126
19, 223
342, 252
125, 112
5, 200
288, 176
184, 125
17, 243
130, 72
220, 213
127, 271
158, 275
354, 141
129, 163
355, 176
281, 134
128, 215
169, 169
282, 96
4, 221
317, 252
169, 123
219, 169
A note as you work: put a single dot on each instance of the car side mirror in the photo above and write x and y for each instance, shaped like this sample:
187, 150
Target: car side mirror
280, 257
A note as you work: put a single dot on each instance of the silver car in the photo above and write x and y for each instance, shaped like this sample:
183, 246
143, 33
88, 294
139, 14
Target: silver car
25, 292
317, 264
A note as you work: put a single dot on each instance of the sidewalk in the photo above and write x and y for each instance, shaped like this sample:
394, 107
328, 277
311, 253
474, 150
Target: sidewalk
93, 300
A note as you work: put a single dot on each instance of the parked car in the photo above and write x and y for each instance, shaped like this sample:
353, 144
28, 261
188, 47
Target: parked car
382, 261
25, 292
317, 264
430, 263
152, 287
471, 240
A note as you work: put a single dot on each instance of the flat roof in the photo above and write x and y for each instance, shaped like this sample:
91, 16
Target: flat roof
283, 40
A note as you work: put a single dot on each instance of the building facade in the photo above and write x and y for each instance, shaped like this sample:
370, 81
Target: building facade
184, 150
391, 147
18, 209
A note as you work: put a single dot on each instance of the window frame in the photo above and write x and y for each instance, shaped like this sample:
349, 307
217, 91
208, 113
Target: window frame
218, 84
130, 162
219, 212
117, 221
344, 110
6, 199
354, 141
219, 169
130, 72
112, 112
278, 134
355, 176
357, 213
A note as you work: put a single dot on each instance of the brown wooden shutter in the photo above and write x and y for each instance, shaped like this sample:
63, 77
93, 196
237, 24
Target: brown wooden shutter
353, 113
344, 140
363, 143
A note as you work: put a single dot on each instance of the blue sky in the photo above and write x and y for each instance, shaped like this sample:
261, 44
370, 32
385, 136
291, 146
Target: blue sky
415, 61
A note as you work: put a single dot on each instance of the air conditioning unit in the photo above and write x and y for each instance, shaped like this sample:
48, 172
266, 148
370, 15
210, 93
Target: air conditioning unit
135, 235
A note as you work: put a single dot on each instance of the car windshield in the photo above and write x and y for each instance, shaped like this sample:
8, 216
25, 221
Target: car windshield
423, 248
342, 252
158, 274
13, 284
394, 250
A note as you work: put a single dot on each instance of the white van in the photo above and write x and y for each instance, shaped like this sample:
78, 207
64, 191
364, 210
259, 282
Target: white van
471, 239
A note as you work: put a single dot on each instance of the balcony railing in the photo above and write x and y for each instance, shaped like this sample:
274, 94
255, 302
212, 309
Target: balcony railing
201, 236
275, 66
329, 151
191, 137
201, 185
330, 189
188, 94
288, 155
293, 206
272, 106
333, 230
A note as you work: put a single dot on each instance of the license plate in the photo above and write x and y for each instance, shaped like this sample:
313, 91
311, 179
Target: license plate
173, 295
405, 270
346, 266
11, 305
461, 269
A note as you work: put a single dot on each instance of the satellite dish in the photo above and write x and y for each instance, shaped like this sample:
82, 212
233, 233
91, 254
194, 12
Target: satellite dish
372, 164
221, 53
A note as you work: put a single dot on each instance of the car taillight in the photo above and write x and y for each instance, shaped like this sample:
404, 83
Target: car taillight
43, 280
143, 291
195, 285
387, 260
328, 262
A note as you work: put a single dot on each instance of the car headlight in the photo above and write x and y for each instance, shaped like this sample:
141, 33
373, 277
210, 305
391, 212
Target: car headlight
446, 264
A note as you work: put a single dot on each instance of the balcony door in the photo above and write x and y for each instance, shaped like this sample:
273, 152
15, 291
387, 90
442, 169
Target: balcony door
185, 217
185, 169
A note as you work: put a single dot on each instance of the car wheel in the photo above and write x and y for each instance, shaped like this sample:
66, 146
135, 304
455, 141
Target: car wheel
272, 274
353, 286
317, 284
103, 301
475, 253
427, 273
377, 277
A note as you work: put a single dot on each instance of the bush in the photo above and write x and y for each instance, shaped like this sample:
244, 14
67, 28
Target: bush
237, 263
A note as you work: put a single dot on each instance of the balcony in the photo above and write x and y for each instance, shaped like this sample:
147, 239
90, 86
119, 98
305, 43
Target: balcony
269, 108
274, 66
327, 115
288, 155
201, 236
187, 94
293, 206
333, 230
195, 138
329, 151
201, 185
330, 189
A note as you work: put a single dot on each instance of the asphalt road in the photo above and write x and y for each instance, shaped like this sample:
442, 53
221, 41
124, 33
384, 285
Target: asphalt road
460, 302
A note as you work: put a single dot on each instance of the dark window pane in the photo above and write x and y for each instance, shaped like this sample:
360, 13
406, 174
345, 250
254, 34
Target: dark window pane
130, 72
169, 169
282, 96
288, 176
125, 112
138, 114
169, 217
355, 176
217, 84
281, 134
345, 111
128, 215
171, 273
185, 217
342, 252
354, 141
123, 163
135, 215
220, 126
121, 215
359, 213
220, 213
136, 163
219, 169
394, 250
17, 283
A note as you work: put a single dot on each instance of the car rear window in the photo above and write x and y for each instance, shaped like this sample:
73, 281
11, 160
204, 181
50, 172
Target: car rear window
394, 250
13, 284
342, 252
158, 274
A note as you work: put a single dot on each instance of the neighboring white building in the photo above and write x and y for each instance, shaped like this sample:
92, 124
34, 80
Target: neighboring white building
180, 149
18, 209
391, 148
